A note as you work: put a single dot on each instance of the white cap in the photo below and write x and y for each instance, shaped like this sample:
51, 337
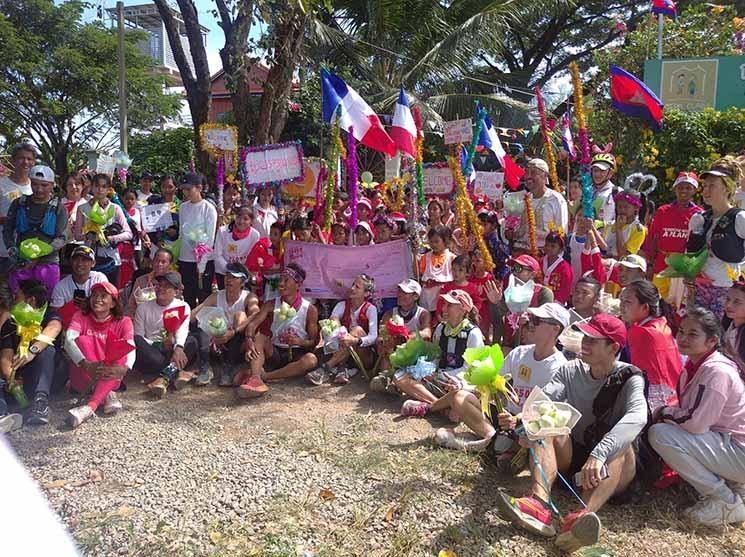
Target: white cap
41, 173
410, 287
540, 164
552, 310
633, 261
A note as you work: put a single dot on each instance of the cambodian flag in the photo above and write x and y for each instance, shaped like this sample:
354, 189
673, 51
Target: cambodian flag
566, 135
632, 97
489, 139
403, 131
665, 7
355, 112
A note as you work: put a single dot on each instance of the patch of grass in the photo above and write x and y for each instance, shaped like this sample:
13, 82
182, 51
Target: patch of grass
406, 542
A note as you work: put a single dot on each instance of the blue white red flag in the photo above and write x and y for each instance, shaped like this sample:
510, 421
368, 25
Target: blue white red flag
403, 131
355, 112
665, 7
489, 139
632, 97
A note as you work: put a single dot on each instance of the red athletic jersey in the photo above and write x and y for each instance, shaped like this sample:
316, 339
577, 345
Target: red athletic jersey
669, 232
559, 280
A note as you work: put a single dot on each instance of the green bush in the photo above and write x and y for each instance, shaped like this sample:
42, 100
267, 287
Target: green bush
162, 152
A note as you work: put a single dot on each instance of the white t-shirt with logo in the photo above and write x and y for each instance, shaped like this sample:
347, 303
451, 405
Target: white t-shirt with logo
527, 373
64, 290
9, 191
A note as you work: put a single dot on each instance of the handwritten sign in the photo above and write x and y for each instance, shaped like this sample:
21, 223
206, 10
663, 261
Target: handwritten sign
278, 163
156, 217
219, 138
438, 181
331, 270
105, 164
489, 184
458, 131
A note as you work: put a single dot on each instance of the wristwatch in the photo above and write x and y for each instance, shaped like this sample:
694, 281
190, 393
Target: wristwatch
34, 349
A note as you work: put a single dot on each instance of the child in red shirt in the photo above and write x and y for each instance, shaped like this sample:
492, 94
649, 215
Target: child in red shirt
461, 270
557, 272
479, 277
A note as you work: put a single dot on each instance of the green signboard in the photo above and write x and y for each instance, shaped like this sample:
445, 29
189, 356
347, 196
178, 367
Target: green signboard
696, 83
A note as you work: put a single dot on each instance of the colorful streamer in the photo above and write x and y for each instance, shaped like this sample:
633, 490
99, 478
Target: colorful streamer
464, 209
332, 172
548, 146
352, 176
584, 139
220, 179
419, 157
480, 117
531, 225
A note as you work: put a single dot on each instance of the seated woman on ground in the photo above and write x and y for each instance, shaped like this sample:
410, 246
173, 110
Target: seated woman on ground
101, 319
360, 318
143, 288
238, 305
415, 318
453, 336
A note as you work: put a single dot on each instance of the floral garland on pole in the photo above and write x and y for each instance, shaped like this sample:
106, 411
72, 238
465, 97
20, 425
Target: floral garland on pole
352, 176
464, 208
584, 139
419, 157
531, 225
550, 156
331, 179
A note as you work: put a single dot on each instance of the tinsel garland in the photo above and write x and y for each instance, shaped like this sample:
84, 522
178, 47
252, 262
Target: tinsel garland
332, 172
220, 179
352, 175
530, 213
480, 117
579, 110
419, 156
464, 208
320, 182
550, 156
395, 202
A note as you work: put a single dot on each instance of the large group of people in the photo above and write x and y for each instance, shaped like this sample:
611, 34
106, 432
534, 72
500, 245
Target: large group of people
654, 363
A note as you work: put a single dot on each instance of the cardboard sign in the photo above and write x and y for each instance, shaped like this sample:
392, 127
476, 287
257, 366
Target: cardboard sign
489, 184
156, 217
438, 181
306, 188
330, 270
220, 138
105, 164
458, 131
277, 164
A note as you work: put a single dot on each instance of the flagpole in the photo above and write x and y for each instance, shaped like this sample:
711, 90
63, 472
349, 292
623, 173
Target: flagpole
660, 26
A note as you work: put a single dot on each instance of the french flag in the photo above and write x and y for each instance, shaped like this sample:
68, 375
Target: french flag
489, 139
403, 131
665, 7
566, 135
355, 112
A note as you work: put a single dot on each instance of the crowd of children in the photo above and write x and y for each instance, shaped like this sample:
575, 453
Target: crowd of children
585, 307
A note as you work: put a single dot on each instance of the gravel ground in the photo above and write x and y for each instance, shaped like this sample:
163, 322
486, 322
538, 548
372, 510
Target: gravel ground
303, 472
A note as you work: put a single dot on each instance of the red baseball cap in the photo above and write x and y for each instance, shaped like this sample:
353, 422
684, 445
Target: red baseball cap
526, 261
459, 297
686, 178
603, 325
106, 287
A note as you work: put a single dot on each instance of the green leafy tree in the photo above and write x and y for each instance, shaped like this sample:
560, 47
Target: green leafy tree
58, 80
162, 152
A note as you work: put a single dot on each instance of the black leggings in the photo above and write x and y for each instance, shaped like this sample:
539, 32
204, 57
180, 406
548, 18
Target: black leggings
232, 352
193, 294
152, 359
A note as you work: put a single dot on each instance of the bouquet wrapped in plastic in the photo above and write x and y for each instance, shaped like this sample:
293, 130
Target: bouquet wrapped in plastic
197, 235
396, 327
27, 320
686, 265
416, 357
97, 220
213, 321
33, 248
332, 334
484, 366
143, 295
172, 320
544, 418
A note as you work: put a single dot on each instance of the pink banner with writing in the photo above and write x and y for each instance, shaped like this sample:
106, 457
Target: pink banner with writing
331, 270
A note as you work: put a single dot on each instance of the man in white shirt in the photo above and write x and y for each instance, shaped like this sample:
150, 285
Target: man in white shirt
196, 213
167, 357
549, 206
530, 365
18, 183
265, 214
75, 288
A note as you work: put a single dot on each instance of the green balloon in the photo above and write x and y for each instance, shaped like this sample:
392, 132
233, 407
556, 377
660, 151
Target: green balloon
366, 176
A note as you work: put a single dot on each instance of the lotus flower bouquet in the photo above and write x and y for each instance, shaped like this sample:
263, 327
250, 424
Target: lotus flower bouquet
198, 236
213, 321
332, 333
97, 220
545, 418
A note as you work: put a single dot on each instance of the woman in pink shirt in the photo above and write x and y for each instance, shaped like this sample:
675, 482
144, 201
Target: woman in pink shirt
703, 436
100, 327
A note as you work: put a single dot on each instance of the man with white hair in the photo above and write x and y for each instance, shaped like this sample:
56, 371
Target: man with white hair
549, 206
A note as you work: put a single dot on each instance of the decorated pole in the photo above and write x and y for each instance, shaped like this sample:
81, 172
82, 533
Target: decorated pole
584, 140
471, 153
220, 179
419, 157
550, 156
352, 176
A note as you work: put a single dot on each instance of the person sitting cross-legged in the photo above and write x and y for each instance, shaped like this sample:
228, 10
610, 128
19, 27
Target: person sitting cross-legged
529, 365
702, 438
360, 318
287, 348
610, 396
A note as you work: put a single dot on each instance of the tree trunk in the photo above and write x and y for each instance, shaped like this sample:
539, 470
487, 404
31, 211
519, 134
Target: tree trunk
60, 162
278, 86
